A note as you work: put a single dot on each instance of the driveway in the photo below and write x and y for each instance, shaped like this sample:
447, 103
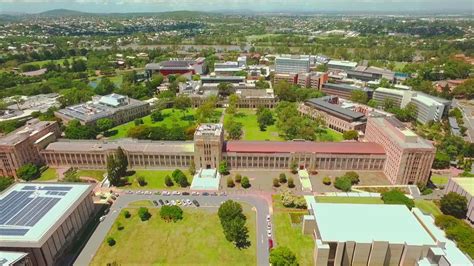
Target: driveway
260, 204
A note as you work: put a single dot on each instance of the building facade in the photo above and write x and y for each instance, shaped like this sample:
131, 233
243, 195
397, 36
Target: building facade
177, 66
292, 64
344, 91
464, 187
291, 78
24, 144
409, 157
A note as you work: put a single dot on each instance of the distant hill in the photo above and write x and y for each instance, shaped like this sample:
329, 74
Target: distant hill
62, 13
170, 14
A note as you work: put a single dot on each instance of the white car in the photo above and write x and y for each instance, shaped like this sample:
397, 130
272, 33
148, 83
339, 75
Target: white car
268, 218
165, 193
189, 202
176, 193
195, 193
173, 202
102, 218
269, 233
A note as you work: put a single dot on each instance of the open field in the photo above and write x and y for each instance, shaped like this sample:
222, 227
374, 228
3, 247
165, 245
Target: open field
48, 175
155, 179
58, 61
352, 200
196, 240
439, 180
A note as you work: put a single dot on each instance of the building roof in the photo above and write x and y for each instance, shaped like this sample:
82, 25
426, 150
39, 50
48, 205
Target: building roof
304, 146
347, 87
334, 109
31, 128
342, 63
369, 222
11, 257
391, 91
30, 212
130, 145
466, 183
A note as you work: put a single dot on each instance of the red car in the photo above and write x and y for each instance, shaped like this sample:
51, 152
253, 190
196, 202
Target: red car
270, 244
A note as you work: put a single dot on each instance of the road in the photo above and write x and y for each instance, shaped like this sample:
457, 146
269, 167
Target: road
261, 206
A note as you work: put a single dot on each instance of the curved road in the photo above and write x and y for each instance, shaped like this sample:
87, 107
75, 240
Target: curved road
260, 204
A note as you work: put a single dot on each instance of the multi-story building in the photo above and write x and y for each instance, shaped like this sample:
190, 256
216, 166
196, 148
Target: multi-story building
176, 66
120, 109
318, 79
385, 235
254, 98
12, 258
370, 73
286, 64
336, 117
23, 145
429, 108
464, 187
221, 79
43, 219
208, 143
344, 91
409, 157
290, 78
341, 65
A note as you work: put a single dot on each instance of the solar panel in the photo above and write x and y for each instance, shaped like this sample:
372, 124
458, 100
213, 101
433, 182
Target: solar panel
13, 232
29, 188
50, 188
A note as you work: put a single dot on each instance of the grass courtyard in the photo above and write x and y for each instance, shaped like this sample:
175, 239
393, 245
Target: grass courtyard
288, 224
171, 117
155, 179
439, 180
427, 206
96, 174
196, 240
48, 175
251, 130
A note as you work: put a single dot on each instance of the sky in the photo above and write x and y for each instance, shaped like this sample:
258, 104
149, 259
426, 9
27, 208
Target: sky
124, 6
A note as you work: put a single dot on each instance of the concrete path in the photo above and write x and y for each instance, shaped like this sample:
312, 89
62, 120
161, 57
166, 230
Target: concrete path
259, 203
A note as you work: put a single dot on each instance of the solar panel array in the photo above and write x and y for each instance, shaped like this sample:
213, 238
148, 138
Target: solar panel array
21, 210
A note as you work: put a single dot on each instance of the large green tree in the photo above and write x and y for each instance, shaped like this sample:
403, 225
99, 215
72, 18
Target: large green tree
282, 256
28, 172
233, 222
454, 204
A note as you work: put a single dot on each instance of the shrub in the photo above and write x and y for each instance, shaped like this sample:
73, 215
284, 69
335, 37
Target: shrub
127, 214
276, 183
156, 116
290, 200
120, 227
230, 182
28, 172
353, 176
238, 178
5, 182
327, 180
282, 178
396, 196
454, 204
168, 181
294, 167
343, 183
426, 191
111, 241
138, 121
245, 182
141, 181
458, 231
171, 213
144, 214
180, 178
291, 182
282, 256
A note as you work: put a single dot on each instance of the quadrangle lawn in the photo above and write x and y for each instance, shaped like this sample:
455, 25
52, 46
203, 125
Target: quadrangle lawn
427, 206
48, 175
96, 174
155, 179
196, 240
439, 180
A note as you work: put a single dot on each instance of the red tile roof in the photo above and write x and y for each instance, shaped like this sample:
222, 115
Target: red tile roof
303, 146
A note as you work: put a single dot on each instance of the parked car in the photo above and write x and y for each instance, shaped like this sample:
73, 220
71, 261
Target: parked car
185, 193
167, 203
223, 193
157, 193
172, 202
213, 193
165, 193
196, 203
268, 218
161, 202
205, 194
102, 218
178, 202
188, 201
270, 244
195, 193
155, 203
269, 234
129, 192
176, 193
106, 211
113, 197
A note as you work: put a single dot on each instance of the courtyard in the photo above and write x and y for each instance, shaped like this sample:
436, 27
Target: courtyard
197, 239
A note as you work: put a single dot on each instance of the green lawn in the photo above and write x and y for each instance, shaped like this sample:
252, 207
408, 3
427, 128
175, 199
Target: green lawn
58, 61
141, 203
291, 236
155, 179
48, 175
172, 117
196, 240
96, 174
354, 200
439, 180
248, 118
331, 135
427, 207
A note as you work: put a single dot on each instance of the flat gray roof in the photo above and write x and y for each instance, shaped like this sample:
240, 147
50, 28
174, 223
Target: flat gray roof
32, 127
130, 145
365, 223
29, 210
334, 109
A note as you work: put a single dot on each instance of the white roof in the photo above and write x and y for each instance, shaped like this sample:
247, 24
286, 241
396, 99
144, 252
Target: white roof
365, 223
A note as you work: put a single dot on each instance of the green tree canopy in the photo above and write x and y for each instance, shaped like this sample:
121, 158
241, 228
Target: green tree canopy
28, 172
454, 204
283, 256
